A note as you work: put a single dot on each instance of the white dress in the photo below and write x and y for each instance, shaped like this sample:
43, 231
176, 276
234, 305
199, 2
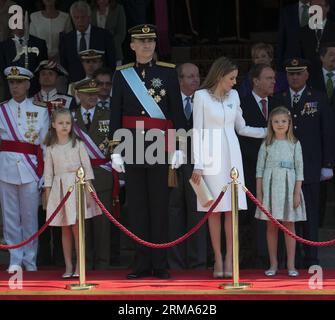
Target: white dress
60, 168
215, 144
49, 29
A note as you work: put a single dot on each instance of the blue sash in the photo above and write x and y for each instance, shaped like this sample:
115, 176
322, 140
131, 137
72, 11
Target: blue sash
141, 93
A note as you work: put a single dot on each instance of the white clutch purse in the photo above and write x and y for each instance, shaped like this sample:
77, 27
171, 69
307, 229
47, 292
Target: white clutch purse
203, 194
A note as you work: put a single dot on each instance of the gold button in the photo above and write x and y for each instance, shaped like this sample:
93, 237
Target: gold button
143, 132
18, 161
19, 124
295, 116
143, 112
295, 127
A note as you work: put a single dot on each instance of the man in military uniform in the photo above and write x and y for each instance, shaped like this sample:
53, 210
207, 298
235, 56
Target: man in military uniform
47, 73
92, 126
91, 60
148, 92
23, 127
313, 126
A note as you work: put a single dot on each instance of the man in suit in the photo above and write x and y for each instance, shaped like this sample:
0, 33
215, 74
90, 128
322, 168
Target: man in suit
146, 174
323, 79
311, 40
104, 76
256, 109
93, 122
84, 37
313, 126
292, 18
11, 53
183, 214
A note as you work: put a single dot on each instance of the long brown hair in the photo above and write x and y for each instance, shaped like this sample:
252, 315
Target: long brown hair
51, 137
271, 134
220, 68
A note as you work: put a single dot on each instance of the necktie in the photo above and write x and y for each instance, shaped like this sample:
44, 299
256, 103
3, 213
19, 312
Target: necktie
264, 109
296, 98
304, 16
88, 120
82, 43
188, 108
330, 84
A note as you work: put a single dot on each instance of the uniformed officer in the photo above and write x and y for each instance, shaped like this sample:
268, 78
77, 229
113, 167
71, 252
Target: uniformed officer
313, 126
93, 121
91, 60
48, 72
23, 127
148, 92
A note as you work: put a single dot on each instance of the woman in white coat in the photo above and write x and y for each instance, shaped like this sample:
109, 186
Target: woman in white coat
217, 117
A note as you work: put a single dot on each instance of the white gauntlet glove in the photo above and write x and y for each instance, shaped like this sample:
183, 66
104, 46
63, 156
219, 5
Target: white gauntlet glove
326, 174
117, 163
177, 159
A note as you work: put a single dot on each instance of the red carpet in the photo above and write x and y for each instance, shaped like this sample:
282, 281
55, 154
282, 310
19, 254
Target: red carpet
194, 285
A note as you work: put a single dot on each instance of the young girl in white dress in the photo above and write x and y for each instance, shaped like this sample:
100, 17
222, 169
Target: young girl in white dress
279, 177
65, 154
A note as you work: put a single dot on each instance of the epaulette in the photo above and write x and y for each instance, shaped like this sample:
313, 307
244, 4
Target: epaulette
165, 64
125, 66
40, 103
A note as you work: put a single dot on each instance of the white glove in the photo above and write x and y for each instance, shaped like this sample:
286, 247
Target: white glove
326, 174
177, 159
117, 163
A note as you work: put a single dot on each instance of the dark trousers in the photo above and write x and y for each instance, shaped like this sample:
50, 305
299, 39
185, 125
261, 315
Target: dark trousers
183, 215
310, 227
147, 199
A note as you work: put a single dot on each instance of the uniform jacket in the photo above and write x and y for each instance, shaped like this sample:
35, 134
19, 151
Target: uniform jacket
162, 81
99, 134
313, 126
12, 169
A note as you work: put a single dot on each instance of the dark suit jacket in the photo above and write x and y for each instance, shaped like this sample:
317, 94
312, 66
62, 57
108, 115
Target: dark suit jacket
288, 34
314, 130
8, 54
308, 42
103, 179
100, 39
250, 146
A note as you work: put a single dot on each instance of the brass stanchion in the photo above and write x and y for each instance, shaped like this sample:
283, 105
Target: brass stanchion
234, 209
81, 230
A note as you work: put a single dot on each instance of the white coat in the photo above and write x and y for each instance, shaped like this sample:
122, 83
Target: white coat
215, 144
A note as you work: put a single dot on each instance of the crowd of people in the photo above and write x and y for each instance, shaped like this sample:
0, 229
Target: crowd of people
69, 95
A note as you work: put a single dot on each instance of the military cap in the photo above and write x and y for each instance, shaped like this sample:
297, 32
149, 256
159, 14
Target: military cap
87, 86
91, 54
143, 31
17, 73
296, 65
51, 65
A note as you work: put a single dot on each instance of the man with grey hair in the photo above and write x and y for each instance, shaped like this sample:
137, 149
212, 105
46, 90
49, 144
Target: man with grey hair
84, 37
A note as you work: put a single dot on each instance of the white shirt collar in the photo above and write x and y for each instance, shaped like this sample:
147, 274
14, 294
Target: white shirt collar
83, 111
299, 93
327, 71
258, 98
87, 31
184, 96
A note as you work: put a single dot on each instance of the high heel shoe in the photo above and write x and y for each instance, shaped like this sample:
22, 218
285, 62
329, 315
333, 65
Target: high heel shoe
270, 272
227, 274
293, 273
217, 273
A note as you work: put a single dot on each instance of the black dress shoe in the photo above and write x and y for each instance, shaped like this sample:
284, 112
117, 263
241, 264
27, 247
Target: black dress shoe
138, 275
161, 274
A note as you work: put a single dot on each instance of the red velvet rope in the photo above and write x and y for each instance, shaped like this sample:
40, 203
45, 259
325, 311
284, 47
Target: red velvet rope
34, 236
283, 228
156, 245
